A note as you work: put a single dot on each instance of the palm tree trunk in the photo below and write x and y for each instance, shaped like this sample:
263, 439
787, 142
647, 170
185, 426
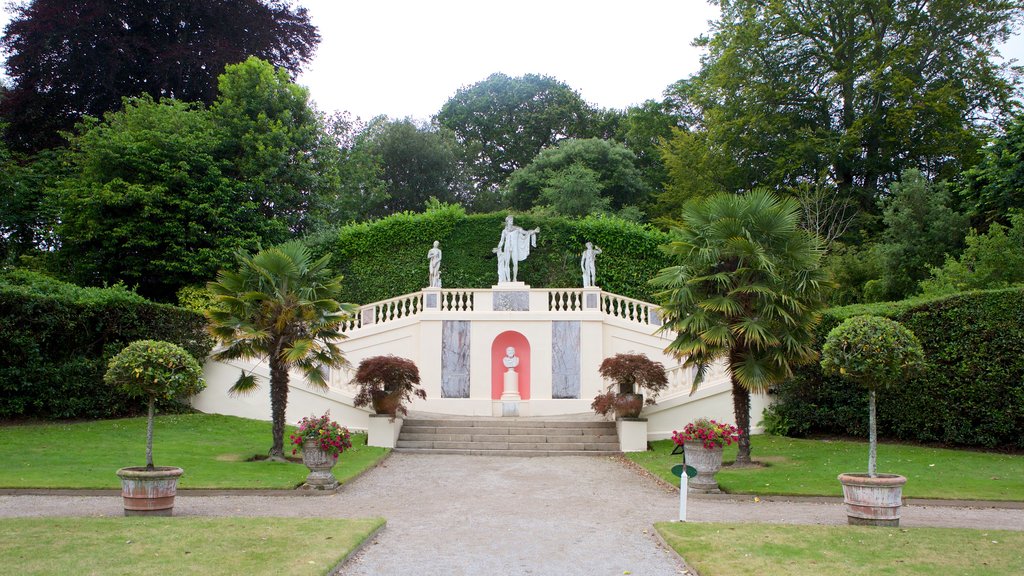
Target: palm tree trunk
741, 410
278, 404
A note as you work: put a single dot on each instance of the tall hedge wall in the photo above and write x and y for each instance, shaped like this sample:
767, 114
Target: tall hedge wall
388, 257
56, 339
971, 392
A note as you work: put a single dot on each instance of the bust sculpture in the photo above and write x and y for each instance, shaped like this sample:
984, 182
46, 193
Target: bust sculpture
511, 361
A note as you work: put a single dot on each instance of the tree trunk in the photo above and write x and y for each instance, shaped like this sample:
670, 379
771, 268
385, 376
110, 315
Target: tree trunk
149, 433
872, 436
741, 410
278, 403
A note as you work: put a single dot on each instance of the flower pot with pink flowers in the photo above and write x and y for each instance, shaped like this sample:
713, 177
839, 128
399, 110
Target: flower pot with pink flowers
322, 441
703, 441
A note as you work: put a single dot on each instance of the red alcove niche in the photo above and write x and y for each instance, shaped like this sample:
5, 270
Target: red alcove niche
498, 347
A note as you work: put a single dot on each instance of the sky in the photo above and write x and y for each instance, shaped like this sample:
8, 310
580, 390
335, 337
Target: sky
405, 58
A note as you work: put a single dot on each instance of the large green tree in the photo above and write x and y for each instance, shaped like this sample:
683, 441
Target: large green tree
148, 202
69, 58
855, 91
280, 307
279, 148
747, 289
992, 188
505, 121
611, 166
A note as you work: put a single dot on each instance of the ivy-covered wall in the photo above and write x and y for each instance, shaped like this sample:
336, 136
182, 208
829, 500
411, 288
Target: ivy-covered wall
970, 393
57, 338
388, 257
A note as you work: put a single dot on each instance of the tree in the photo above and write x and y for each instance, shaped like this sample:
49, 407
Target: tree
147, 201
857, 90
69, 58
279, 306
26, 211
416, 163
991, 189
610, 166
747, 289
574, 191
994, 259
920, 229
504, 122
279, 147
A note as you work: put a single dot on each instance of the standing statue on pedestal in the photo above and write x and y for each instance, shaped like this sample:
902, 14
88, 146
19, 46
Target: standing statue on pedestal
588, 266
434, 256
513, 248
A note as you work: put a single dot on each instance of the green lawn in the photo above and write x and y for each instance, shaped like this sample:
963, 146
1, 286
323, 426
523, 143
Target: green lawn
209, 546
211, 449
776, 550
809, 467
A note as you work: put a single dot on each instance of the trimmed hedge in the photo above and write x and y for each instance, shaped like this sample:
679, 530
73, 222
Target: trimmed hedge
388, 257
57, 338
970, 392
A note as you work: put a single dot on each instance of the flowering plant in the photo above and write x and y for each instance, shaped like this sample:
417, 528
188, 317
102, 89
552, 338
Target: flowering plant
329, 436
711, 433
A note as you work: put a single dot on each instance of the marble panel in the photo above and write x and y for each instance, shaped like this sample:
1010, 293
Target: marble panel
565, 359
455, 359
506, 301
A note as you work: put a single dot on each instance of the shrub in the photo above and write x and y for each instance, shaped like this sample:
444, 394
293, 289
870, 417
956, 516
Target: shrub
58, 338
969, 391
387, 383
629, 373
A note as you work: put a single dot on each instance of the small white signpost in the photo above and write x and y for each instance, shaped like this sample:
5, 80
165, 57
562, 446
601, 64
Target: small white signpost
684, 473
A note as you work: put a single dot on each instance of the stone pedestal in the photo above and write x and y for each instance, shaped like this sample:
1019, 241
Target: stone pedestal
632, 434
382, 432
510, 394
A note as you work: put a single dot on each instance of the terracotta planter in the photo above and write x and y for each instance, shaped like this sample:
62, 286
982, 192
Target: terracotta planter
707, 462
628, 405
149, 492
387, 403
873, 501
320, 463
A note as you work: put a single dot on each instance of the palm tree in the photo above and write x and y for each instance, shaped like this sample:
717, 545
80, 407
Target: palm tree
747, 289
279, 306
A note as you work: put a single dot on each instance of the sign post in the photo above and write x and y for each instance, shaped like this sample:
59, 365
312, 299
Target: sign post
684, 473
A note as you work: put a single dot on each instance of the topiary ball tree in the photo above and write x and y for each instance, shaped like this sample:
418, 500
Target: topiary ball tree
387, 383
876, 353
152, 369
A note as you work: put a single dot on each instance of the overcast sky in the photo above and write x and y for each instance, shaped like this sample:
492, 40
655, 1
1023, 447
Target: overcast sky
407, 57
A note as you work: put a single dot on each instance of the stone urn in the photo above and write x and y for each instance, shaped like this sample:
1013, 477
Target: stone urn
320, 462
707, 462
628, 405
873, 501
149, 491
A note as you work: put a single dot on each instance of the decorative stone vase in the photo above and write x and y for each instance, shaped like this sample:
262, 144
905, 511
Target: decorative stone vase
873, 501
628, 405
386, 403
320, 462
707, 462
149, 492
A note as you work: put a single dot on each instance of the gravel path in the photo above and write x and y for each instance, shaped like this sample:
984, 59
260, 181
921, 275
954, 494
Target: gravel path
467, 515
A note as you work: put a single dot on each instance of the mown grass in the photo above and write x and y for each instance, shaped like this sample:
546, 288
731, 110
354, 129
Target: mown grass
209, 546
774, 550
213, 450
791, 466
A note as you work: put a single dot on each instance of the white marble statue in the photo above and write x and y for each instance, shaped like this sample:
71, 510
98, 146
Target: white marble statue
513, 248
502, 265
434, 256
511, 361
588, 266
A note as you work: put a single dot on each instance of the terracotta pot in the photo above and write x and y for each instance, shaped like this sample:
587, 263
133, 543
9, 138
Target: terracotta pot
707, 462
320, 463
628, 405
149, 491
387, 403
873, 501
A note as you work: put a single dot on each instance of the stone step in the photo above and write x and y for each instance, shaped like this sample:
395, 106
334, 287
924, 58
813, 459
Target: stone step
456, 445
507, 436
527, 453
506, 423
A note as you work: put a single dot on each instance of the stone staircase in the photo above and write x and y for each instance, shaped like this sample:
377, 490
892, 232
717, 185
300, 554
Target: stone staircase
508, 437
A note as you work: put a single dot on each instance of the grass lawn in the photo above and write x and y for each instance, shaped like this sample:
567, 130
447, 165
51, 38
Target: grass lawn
809, 467
775, 550
211, 449
210, 546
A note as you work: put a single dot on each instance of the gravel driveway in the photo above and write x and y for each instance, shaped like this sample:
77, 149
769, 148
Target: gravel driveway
469, 515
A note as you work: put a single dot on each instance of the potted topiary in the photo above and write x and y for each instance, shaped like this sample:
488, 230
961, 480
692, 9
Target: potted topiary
386, 383
628, 374
152, 369
876, 353
321, 440
703, 441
